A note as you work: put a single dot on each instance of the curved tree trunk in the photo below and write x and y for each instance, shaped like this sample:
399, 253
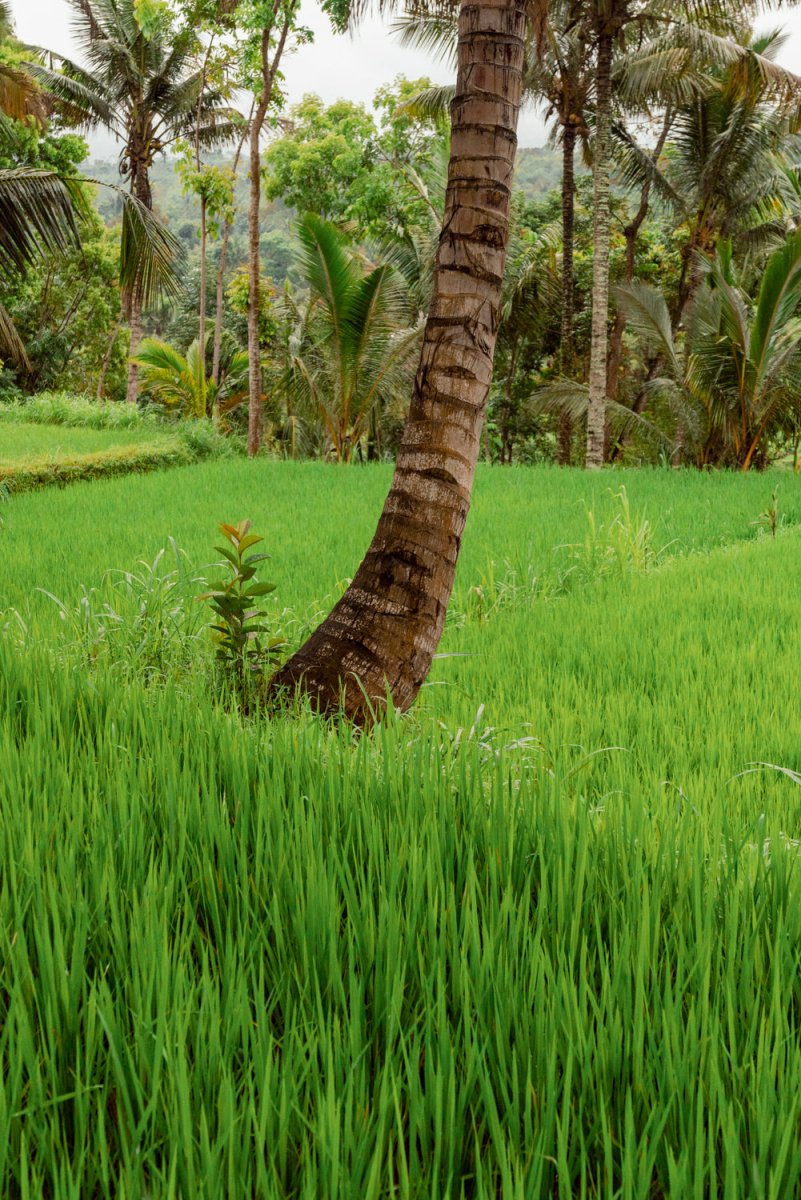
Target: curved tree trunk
596, 411
381, 637
568, 286
255, 414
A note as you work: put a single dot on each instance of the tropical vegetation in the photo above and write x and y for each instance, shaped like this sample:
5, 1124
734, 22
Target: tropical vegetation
466, 865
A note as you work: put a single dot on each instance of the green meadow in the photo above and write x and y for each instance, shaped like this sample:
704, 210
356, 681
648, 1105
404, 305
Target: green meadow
538, 938
24, 443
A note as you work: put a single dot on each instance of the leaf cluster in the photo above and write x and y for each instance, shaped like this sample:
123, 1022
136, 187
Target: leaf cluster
241, 648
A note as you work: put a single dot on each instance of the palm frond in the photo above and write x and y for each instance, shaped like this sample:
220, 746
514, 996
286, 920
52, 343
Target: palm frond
434, 34
74, 86
11, 344
647, 314
37, 214
777, 301
150, 256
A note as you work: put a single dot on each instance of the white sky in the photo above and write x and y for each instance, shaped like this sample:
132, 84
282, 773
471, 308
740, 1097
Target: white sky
335, 66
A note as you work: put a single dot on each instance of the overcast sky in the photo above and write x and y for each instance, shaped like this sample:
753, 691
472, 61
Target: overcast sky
336, 66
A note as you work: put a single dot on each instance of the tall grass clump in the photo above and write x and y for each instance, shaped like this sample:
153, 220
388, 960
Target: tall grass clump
66, 408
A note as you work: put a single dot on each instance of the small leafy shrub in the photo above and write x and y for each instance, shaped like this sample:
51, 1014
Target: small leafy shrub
242, 650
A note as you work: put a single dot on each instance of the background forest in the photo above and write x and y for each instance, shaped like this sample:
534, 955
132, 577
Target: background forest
689, 145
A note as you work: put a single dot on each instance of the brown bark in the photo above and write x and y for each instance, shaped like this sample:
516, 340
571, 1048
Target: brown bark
568, 285
101, 381
268, 73
596, 409
132, 299
202, 303
631, 233
381, 637
226, 237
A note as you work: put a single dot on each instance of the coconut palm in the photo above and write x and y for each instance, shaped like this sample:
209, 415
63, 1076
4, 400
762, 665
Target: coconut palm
145, 87
381, 637
176, 381
725, 154
741, 372
350, 352
558, 70
701, 29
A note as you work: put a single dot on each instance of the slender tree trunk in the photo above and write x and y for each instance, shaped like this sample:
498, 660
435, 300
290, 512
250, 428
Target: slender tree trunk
219, 308
596, 411
381, 637
568, 285
255, 413
134, 307
132, 300
107, 358
229, 224
202, 303
268, 72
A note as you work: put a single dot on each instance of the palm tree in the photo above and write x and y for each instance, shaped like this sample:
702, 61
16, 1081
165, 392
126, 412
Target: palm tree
381, 637
741, 372
726, 142
41, 212
559, 71
176, 381
350, 354
701, 28
272, 42
147, 89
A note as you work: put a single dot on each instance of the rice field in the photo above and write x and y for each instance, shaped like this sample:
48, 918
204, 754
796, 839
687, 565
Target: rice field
21, 443
539, 938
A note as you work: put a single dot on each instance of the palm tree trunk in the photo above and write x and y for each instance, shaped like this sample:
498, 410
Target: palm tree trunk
596, 411
255, 414
134, 309
381, 637
268, 73
202, 300
568, 286
132, 300
219, 307
226, 237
